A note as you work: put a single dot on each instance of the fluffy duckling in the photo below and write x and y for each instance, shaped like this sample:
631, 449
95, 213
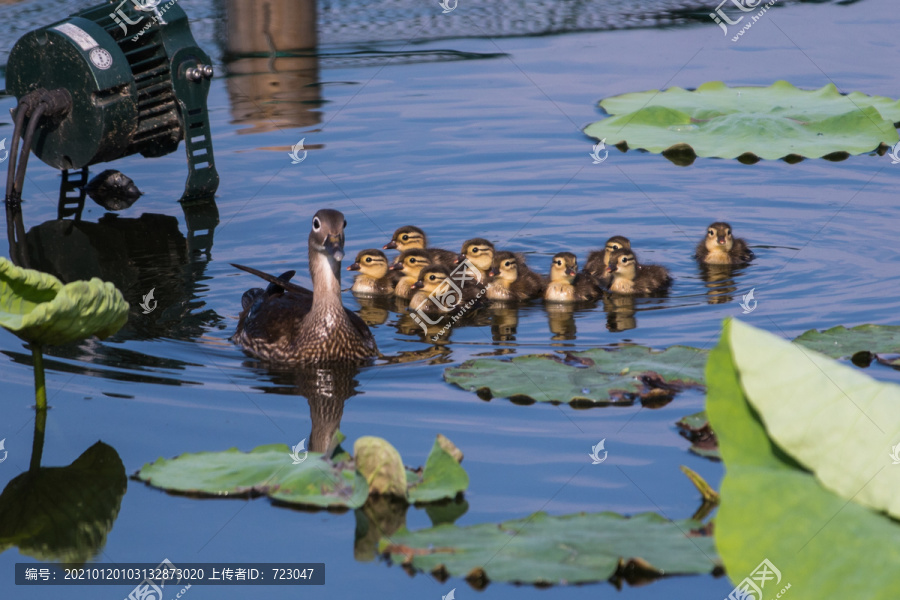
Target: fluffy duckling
289, 323
410, 263
598, 260
630, 277
566, 284
512, 280
374, 277
480, 253
411, 237
719, 247
448, 297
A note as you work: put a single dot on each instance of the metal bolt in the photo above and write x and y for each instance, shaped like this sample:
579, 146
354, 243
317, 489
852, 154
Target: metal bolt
207, 71
193, 74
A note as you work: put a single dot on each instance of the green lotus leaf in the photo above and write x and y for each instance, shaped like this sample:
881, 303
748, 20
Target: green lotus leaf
834, 420
749, 122
544, 549
38, 308
64, 513
596, 376
825, 543
265, 470
862, 343
442, 477
381, 466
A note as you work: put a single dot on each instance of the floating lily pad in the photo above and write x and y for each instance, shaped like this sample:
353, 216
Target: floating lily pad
544, 549
442, 478
317, 481
266, 470
823, 542
862, 343
597, 376
779, 121
38, 308
695, 428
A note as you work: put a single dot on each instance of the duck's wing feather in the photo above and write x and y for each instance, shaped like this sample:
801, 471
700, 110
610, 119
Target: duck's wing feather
278, 281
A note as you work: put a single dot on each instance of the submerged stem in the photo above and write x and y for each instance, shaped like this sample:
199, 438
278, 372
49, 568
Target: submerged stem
40, 398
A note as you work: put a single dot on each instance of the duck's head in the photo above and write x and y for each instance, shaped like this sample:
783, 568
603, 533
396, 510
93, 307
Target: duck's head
564, 267
505, 267
430, 278
479, 252
411, 263
616, 242
718, 237
622, 263
407, 238
326, 238
371, 262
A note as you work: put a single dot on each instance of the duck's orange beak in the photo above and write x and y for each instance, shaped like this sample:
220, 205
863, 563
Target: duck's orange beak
721, 240
459, 259
493, 273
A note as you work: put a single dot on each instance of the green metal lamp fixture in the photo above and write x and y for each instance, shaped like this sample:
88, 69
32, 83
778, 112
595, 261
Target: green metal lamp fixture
117, 79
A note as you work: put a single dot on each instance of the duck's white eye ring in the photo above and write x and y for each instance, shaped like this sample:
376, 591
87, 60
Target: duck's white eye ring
316, 224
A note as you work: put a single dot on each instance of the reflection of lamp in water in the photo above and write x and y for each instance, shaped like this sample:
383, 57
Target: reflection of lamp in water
270, 84
150, 253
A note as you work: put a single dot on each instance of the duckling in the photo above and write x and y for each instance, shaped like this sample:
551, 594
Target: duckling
289, 323
512, 279
480, 253
630, 277
374, 278
598, 260
449, 296
719, 247
410, 263
411, 237
567, 284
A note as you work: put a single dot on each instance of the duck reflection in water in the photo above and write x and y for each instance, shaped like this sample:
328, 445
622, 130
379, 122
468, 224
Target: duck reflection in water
326, 388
